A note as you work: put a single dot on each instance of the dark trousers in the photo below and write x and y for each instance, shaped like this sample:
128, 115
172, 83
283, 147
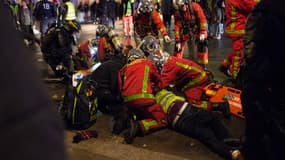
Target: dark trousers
29, 34
204, 126
167, 21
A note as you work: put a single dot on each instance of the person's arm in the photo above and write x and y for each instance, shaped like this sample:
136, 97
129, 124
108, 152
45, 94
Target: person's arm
201, 17
159, 23
168, 74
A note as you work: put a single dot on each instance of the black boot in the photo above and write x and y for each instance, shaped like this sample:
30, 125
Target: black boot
132, 132
223, 107
121, 123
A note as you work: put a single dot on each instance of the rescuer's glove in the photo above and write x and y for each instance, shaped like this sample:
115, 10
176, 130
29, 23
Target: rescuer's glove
178, 46
202, 37
166, 38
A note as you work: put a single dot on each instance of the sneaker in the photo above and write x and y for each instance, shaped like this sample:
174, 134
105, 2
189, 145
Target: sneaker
218, 37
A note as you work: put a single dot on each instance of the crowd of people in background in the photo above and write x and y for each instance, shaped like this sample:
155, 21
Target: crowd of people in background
108, 11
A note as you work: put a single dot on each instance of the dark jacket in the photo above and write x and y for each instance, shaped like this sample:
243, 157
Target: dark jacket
106, 75
262, 84
31, 129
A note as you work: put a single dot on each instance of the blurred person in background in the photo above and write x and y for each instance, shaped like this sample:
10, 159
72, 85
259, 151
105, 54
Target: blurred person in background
262, 86
31, 129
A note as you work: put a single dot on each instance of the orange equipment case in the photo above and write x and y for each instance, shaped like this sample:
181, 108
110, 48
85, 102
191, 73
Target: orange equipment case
219, 93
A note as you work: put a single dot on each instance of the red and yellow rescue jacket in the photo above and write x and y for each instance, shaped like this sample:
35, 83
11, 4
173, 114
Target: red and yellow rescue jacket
145, 24
183, 73
136, 80
236, 14
181, 21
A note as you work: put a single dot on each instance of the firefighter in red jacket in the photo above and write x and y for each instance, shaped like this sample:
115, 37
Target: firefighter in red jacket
109, 43
190, 78
136, 82
147, 21
190, 22
236, 14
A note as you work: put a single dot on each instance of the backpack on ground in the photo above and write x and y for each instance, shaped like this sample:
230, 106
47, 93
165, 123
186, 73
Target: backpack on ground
80, 105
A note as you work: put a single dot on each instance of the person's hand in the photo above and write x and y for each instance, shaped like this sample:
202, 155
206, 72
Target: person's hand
178, 46
167, 39
202, 37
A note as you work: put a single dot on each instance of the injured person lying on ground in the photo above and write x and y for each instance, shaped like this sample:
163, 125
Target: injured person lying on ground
194, 122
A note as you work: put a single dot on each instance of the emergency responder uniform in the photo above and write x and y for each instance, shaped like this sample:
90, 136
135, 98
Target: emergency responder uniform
109, 43
189, 78
68, 11
136, 81
57, 46
196, 123
147, 21
45, 12
189, 23
236, 14
67, 14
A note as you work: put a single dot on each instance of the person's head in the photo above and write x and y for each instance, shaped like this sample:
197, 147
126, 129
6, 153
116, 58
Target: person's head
102, 30
150, 45
182, 4
145, 7
159, 60
134, 54
24, 4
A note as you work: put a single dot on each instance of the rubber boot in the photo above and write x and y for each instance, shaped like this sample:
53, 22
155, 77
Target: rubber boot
223, 107
120, 123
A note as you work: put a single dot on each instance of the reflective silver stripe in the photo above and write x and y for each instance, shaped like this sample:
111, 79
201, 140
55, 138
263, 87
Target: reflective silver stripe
179, 113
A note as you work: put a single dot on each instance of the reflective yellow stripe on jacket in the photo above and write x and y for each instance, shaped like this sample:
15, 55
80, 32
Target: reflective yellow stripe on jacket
144, 93
192, 82
166, 98
232, 29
